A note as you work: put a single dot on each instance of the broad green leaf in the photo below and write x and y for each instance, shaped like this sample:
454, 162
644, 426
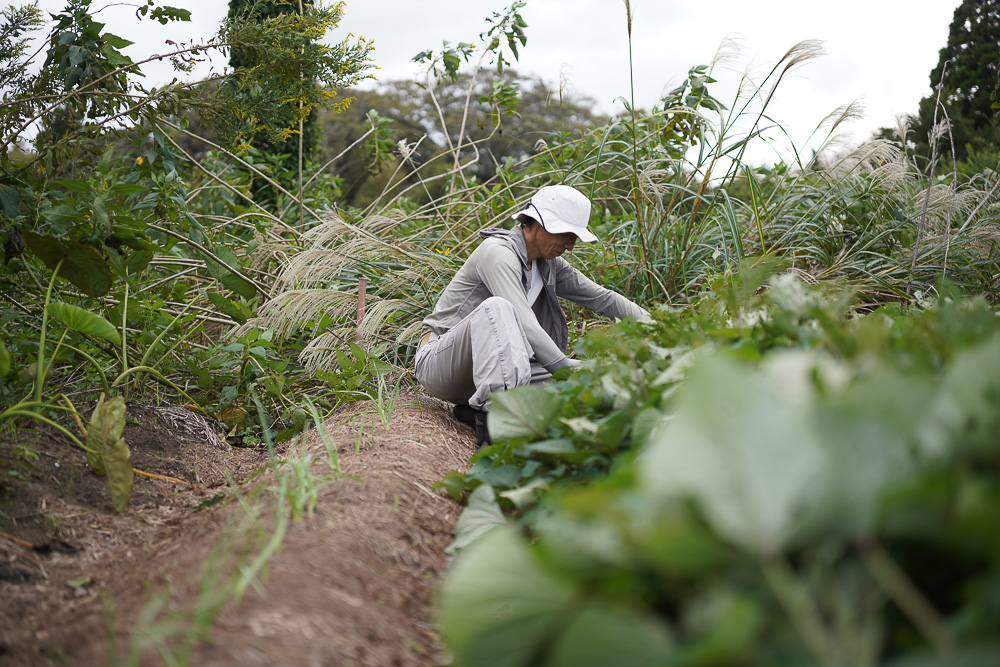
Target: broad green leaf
128, 264
562, 449
503, 477
601, 635
138, 261
84, 321
100, 214
522, 412
117, 263
527, 496
119, 467
74, 185
746, 445
868, 429
61, 215
4, 360
227, 307
213, 267
454, 483
613, 428
480, 516
236, 284
498, 606
10, 201
116, 41
724, 628
966, 407
27, 374
104, 164
133, 238
82, 265
228, 279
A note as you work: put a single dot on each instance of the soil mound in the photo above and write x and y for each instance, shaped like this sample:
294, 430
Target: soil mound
352, 583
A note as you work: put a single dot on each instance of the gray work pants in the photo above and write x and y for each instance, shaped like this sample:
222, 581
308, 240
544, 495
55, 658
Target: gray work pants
487, 351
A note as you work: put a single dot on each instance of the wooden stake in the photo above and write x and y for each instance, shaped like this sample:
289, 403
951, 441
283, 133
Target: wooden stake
362, 288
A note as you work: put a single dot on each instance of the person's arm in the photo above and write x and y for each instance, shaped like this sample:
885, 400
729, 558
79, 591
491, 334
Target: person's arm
571, 284
500, 270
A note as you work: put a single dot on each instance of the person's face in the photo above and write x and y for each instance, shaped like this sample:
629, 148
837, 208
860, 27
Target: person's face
541, 243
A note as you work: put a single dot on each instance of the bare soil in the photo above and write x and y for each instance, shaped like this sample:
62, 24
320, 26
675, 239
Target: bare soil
352, 584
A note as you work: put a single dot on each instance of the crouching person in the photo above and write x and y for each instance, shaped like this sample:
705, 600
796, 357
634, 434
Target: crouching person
498, 323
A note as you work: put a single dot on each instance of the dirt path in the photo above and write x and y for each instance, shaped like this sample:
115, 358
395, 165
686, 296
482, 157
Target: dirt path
352, 584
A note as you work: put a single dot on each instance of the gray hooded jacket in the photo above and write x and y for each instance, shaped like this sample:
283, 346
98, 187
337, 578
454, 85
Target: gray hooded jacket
499, 267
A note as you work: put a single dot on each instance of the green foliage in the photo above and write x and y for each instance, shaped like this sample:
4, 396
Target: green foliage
16, 22
792, 485
84, 56
146, 248
282, 73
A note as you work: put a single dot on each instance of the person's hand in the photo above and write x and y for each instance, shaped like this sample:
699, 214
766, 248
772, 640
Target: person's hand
573, 363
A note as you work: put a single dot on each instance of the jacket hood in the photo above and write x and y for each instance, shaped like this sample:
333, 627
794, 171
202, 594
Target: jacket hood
514, 238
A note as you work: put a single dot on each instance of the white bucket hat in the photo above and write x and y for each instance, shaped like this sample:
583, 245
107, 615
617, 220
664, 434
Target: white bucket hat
561, 209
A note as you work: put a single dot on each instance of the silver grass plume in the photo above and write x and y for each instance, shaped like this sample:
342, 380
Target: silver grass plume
729, 50
269, 251
319, 282
866, 158
903, 126
894, 175
832, 151
321, 352
288, 309
376, 314
803, 52
940, 130
565, 83
844, 113
944, 201
322, 265
651, 182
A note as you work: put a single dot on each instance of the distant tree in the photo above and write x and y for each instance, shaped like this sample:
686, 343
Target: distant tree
970, 63
542, 113
282, 75
261, 10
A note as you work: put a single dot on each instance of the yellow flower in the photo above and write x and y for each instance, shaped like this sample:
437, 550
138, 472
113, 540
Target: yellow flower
139, 161
444, 252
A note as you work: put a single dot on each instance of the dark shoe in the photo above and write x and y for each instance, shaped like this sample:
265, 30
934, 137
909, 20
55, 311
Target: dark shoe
482, 430
465, 414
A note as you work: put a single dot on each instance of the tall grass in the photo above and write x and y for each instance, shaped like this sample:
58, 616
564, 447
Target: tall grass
676, 201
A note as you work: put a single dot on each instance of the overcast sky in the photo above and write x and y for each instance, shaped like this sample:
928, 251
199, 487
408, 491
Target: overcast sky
878, 51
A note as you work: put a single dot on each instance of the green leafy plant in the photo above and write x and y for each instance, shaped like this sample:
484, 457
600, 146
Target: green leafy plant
792, 495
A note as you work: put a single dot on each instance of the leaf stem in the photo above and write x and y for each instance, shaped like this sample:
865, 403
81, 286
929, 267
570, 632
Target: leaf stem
801, 610
910, 600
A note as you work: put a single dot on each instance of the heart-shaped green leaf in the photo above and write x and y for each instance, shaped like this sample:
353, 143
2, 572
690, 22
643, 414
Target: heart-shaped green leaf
81, 264
521, 412
84, 321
